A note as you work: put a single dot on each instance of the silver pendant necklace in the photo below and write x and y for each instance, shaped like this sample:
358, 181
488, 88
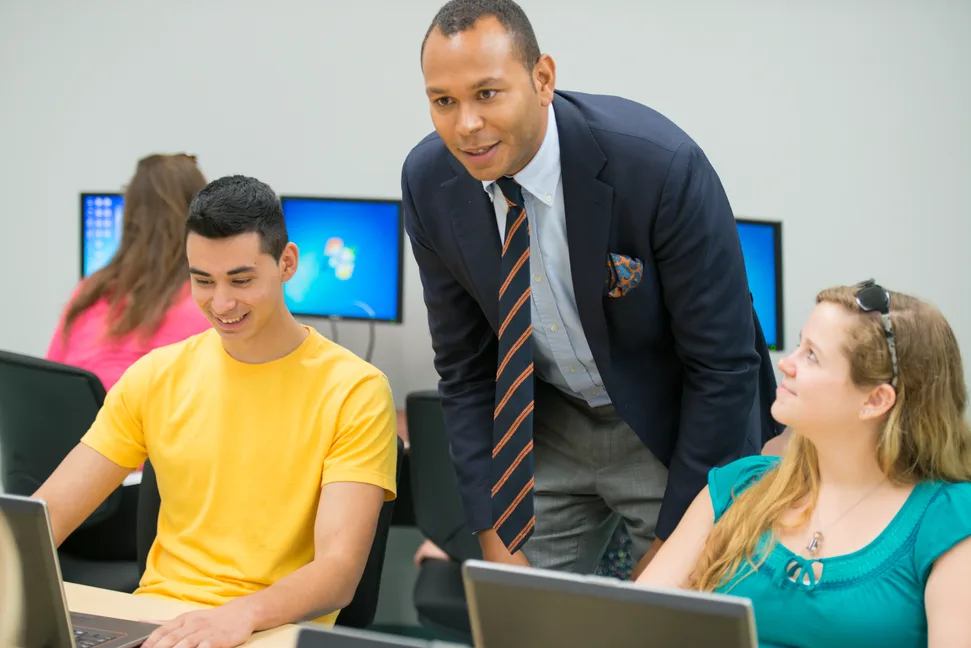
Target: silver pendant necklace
816, 541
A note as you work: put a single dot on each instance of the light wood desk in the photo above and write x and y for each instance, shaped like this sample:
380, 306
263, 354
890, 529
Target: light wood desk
91, 600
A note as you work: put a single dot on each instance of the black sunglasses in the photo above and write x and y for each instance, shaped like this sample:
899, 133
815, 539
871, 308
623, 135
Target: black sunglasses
871, 296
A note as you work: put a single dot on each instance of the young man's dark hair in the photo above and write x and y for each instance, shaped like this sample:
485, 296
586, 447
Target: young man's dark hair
459, 15
235, 205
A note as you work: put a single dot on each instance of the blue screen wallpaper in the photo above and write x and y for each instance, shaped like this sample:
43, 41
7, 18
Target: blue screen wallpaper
100, 231
350, 258
758, 248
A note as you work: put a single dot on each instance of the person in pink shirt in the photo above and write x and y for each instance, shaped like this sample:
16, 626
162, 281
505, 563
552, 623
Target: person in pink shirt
140, 300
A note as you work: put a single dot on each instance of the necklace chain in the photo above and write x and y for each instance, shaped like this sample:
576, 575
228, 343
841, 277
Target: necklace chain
816, 541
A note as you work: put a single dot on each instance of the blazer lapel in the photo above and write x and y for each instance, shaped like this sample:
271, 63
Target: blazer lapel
589, 203
474, 223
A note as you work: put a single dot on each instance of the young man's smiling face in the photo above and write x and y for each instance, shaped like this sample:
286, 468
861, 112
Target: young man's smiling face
237, 285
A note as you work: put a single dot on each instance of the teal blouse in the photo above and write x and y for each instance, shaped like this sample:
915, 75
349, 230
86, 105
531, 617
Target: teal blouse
871, 597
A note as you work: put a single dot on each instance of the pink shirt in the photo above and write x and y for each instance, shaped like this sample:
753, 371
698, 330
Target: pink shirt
87, 348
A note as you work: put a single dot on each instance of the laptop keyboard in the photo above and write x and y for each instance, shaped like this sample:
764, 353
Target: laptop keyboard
84, 638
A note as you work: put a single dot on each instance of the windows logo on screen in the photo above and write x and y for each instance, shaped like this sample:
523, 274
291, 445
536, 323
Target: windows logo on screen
341, 258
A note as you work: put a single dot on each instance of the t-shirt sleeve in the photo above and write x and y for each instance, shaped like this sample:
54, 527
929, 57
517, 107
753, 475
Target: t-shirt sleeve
117, 433
365, 446
946, 522
57, 347
727, 482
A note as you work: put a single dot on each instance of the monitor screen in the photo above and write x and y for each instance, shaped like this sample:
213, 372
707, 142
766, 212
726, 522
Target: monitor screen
350, 258
101, 218
762, 249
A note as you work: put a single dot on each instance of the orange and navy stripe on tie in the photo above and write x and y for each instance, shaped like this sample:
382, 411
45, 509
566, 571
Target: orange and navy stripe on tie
512, 441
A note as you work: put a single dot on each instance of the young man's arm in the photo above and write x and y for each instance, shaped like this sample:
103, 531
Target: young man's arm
347, 517
77, 487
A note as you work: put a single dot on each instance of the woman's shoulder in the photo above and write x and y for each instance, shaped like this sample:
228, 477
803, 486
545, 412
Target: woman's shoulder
726, 483
945, 523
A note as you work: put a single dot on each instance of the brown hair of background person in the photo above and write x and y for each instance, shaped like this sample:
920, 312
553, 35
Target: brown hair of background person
150, 267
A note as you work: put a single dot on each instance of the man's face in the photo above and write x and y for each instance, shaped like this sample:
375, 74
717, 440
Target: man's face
486, 106
237, 286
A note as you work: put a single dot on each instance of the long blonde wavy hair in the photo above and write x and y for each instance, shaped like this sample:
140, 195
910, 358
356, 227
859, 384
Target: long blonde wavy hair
925, 436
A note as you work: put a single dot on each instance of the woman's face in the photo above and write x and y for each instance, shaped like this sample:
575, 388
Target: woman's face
816, 392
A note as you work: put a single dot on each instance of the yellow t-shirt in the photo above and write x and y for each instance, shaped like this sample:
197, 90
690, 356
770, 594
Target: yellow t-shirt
241, 452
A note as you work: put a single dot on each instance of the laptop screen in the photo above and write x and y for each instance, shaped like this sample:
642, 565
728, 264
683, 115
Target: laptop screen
46, 620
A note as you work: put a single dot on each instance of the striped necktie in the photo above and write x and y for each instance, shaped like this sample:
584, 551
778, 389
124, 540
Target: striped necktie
512, 436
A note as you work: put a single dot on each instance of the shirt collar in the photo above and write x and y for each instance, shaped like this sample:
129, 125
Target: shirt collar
541, 175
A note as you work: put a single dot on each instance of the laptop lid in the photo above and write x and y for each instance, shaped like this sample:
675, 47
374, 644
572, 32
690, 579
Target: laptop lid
518, 606
338, 637
46, 621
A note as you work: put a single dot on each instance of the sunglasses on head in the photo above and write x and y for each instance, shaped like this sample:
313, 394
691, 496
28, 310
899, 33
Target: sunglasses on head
871, 296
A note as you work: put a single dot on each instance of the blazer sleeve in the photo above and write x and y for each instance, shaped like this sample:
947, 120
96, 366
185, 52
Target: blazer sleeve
466, 352
705, 290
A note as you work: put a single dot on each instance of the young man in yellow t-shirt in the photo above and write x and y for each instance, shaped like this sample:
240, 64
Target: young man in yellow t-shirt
274, 448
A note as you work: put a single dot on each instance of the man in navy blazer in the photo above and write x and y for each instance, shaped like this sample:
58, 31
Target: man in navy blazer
637, 364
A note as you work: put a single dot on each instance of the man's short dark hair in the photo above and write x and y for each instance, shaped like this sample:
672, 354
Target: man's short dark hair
458, 16
236, 205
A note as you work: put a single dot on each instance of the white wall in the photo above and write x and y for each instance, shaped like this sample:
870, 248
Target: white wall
848, 120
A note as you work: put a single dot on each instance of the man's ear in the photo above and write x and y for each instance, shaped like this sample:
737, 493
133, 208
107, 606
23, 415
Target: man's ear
289, 261
544, 79
880, 401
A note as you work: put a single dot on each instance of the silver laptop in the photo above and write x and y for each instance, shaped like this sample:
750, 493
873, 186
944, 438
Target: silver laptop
517, 606
47, 621
338, 637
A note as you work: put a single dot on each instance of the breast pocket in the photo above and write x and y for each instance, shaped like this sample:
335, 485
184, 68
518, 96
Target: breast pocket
635, 320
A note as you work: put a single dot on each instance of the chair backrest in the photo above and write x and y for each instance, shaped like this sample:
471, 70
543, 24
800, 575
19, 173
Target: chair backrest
360, 612
45, 409
146, 519
434, 487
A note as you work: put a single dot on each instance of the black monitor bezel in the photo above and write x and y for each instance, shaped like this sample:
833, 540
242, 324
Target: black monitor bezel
777, 256
85, 195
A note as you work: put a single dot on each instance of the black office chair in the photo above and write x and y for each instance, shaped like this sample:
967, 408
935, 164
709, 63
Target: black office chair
146, 527
45, 409
360, 612
439, 594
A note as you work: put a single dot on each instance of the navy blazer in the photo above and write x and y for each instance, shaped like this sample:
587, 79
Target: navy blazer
678, 354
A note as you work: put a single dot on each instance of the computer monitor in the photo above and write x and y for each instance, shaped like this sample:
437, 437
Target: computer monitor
762, 249
350, 257
101, 218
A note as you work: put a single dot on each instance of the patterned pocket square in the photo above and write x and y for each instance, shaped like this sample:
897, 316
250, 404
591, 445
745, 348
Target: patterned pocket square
623, 274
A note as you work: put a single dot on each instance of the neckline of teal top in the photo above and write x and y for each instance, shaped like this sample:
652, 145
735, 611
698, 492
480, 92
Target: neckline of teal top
839, 571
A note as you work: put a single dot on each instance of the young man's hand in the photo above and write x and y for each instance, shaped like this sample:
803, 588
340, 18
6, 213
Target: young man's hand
227, 626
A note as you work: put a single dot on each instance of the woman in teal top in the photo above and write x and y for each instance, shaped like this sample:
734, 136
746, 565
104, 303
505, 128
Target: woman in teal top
860, 535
